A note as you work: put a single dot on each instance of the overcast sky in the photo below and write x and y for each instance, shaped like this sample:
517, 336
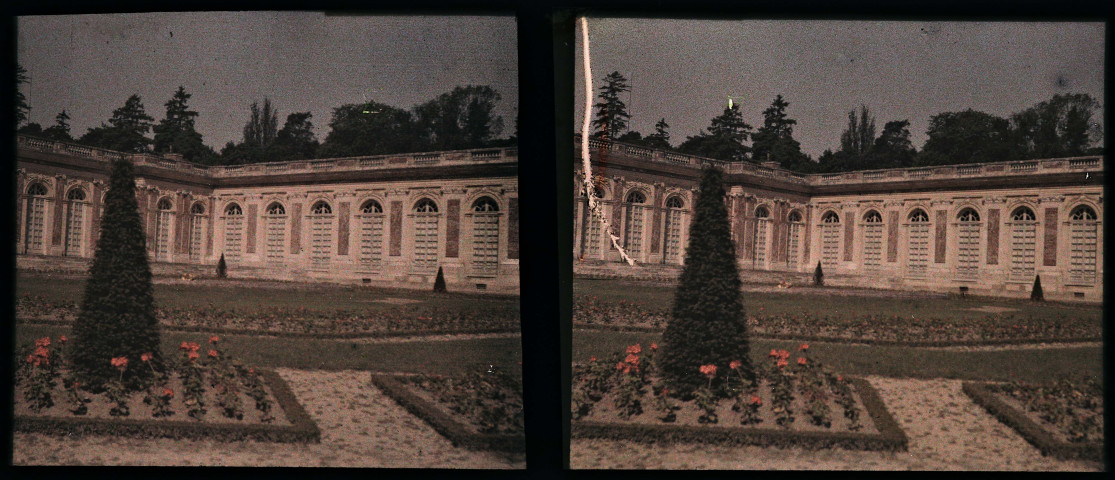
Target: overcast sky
304, 61
685, 70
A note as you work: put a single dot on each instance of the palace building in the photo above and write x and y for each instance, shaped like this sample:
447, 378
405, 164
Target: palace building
382, 220
987, 228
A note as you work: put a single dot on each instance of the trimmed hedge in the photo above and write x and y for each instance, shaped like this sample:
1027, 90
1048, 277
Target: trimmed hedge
302, 428
442, 422
864, 341
890, 436
1035, 434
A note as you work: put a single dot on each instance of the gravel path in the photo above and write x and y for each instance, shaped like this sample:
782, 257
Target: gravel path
361, 427
946, 431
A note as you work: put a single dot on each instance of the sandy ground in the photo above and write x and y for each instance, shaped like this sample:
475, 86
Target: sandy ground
946, 431
361, 427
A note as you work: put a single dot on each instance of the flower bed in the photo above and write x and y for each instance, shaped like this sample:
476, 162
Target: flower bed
790, 403
214, 397
481, 411
588, 312
1064, 420
399, 321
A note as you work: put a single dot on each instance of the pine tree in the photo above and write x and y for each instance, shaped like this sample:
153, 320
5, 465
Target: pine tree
707, 324
774, 141
22, 108
661, 136
611, 113
61, 129
176, 132
117, 316
1036, 294
818, 276
439, 282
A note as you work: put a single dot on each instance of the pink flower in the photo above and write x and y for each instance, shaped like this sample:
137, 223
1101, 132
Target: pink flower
804, 347
654, 346
782, 362
635, 349
43, 342
121, 363
801, 360
42, 352
62, 339
168, 393
192, 355
735, 364
214, 339
755, 400
592, 359
632, 359
146, 357
709, 370
773, 353
213, 353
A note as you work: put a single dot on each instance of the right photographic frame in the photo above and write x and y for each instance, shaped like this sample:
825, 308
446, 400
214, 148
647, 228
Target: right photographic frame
837, 245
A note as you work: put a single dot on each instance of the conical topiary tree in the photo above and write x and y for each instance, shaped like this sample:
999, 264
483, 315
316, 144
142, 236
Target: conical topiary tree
1036, 294
117, 316
707, 324
818, 275
439, 282
222, 267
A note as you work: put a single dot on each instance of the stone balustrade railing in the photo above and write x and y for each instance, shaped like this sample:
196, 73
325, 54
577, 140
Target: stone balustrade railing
989, 169
415, 160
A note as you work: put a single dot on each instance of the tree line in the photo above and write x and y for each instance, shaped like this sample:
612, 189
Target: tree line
1062, 126
462, 118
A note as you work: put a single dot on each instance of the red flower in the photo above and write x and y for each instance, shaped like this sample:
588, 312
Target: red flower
654, 346
146, 357
709, 370
804, 347
62, 339
592, 359
635, 349
213, 353
755, 400
42, 352
621, 366
168, 393
43, 342
33, 360
184, 346
121, 363
782, 362
801, 360
784, 354
192, 355
214, 339
735, 364
840, 378
773, 353
632, 359
252, 370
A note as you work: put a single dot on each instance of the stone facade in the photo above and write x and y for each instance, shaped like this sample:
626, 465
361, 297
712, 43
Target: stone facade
990, 228
385, 220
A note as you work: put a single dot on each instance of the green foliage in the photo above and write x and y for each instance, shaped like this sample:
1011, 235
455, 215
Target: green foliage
60, 131
661, 136
893, 148
611, 113
707, 324
967, 137
117, 316
1036, 293
296, 140
774, 141
22, 108
222, 267
1059, 127
439, 282
382, 130
724, 139
458, 119
126, 131
176, 132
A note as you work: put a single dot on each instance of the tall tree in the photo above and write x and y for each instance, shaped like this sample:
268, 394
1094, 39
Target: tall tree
1059, 127
893, 148
262, 127
661, 136
126, 130
724, 139
967, 137
707, 324
296, 140
611, 113
461, 118
176, 132
60, 131
774, 141
22, 108
117, 316
383, 130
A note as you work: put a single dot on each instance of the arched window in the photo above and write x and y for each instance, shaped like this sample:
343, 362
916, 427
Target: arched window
163, 219
591, 227
968, 244
197, 224
234, 233
1083, 230
1023, 240
675, 209
75, 207
425, 236
762, 232
321, 234
36, 213
275, 226
830, 238
917, 229
633, 231
371, 236
872, 239
793, 247
485, 236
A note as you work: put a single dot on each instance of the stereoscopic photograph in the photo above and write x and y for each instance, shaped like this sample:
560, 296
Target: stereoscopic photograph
837, 245
267, 239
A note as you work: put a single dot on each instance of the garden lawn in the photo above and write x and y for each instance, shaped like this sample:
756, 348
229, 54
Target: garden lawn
445, 357
801, 301
1022, 364
319, 298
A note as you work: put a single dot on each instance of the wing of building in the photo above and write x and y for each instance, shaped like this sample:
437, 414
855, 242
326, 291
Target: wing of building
389, 219
986, 228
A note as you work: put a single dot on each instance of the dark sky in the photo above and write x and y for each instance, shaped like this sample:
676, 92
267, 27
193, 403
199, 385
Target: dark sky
303, 61
685, 70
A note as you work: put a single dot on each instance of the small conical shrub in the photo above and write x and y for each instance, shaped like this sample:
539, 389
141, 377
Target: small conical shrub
439, 282
707, 324
818, 276
117, 316
1036, 294
222, 267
